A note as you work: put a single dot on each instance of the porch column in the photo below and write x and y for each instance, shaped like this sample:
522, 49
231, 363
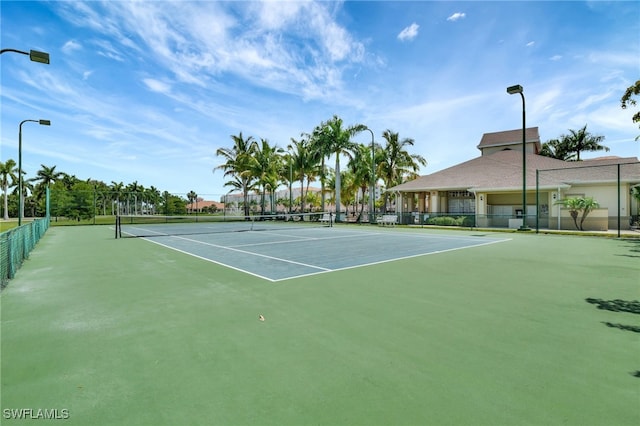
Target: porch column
434, 204
410, 202
421, 203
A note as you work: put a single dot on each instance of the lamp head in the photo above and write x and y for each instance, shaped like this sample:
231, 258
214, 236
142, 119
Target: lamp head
42, 57
45, 122
512, 90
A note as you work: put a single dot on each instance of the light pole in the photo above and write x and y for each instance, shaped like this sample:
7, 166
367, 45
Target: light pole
34, 55
372, 187
20, 207
513, 90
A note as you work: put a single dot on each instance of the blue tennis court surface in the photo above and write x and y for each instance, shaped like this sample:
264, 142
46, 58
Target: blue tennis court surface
286, 254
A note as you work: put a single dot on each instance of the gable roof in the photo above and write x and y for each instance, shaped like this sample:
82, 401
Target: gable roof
510, 137
502, 171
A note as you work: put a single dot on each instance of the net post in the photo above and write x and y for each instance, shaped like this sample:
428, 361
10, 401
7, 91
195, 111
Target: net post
117, 225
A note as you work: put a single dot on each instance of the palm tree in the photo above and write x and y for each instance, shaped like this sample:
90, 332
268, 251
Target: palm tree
153, 196
554, 148
349, 190
582, 140
395, 164
579, 204
305, 162
324, 150
360, 166
265, 167
68, 181
116, 189
134, 189
237, 166
337, 140
568, 147
192, 197
48, 175
8, 171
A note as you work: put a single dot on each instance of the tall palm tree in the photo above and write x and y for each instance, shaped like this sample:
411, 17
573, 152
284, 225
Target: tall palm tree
152, 195
349, 189
337, 140
568, 147
237, 166
581, 140
305, 165
192, 197
360, 166
48, 175
133, 189
265, 167
116, 191
8, 173
395, 163
68, 181
554, 148
324, 150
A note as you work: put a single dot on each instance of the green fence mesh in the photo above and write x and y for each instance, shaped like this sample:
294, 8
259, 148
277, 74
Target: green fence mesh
15, 246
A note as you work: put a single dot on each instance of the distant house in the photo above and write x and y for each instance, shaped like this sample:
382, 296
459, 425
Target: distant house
235, 200
202, 205
488, 188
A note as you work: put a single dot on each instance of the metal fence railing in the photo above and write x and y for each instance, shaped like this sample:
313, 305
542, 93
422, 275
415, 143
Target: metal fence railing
16, 244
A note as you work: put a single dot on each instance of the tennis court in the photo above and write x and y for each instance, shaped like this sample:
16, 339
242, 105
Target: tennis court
405, 326
276, 251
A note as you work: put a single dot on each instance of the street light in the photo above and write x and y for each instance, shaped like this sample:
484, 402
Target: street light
373, 172
513, 90
34, 55
20, 206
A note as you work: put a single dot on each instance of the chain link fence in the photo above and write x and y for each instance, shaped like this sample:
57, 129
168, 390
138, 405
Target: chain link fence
588, 197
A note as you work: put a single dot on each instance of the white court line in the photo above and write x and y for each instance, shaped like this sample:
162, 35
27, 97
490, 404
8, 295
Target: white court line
299, 240
253, 254
392, 260
321, 269
209, 260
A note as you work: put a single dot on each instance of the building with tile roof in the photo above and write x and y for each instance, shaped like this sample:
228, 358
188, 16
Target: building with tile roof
488, 189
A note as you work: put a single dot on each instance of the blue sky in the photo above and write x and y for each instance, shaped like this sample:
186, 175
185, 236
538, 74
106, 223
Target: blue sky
147, 91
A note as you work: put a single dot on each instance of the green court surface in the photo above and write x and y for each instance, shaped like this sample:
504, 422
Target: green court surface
537, 330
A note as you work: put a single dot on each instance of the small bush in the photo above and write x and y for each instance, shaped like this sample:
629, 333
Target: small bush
446, 221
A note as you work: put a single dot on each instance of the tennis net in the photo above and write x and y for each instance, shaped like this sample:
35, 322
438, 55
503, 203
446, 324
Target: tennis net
131, 226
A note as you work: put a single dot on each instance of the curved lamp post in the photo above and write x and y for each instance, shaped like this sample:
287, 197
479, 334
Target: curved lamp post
20, 201
34, 55
512, 90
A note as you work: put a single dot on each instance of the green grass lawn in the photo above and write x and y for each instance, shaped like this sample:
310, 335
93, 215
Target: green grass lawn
124, 332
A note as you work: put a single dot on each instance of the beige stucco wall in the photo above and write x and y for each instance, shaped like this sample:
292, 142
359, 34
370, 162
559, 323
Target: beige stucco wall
597, 220
607, 197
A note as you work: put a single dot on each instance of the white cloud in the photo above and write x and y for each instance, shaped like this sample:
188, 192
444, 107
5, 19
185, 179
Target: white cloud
86, 75
456, 16
531, 43
555, 58
71, 46
156, 85
409, 33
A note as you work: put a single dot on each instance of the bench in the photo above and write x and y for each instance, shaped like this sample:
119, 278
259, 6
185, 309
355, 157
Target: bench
387, 219
327, 218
